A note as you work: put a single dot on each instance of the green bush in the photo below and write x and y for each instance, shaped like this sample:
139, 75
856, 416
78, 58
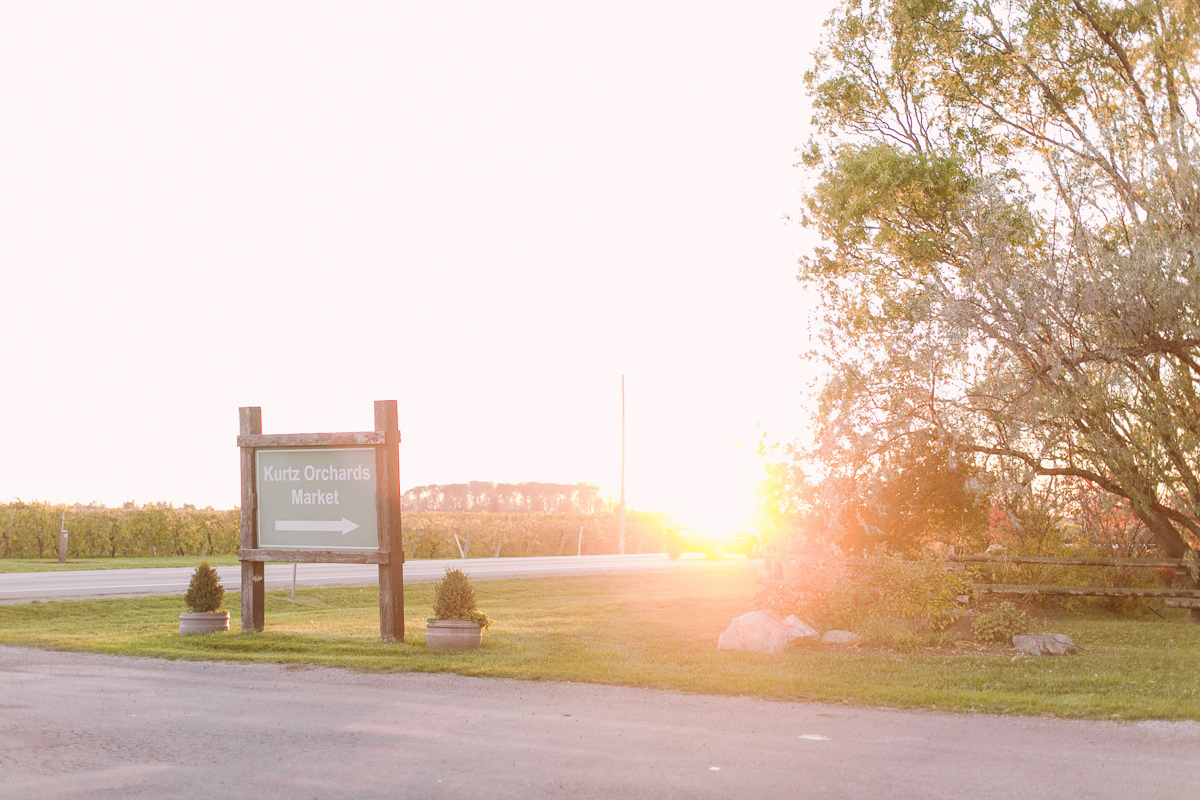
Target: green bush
890, 601
454, 599
205, 592
999, 622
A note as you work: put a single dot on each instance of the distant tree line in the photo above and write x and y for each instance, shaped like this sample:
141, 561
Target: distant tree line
523, 498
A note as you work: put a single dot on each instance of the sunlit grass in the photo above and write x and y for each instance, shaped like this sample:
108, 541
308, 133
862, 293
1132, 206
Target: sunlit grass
146, 562
656, 630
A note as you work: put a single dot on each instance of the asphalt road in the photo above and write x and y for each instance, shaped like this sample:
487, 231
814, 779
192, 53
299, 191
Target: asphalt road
89, 726
25, 586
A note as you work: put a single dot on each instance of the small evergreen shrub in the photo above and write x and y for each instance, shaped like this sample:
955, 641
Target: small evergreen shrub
205, 592
999, 622
454, 599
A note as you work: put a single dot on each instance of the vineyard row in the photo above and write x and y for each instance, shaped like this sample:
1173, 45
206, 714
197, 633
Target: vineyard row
31, 530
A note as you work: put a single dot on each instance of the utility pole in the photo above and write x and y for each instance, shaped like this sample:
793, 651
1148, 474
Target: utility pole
621, 537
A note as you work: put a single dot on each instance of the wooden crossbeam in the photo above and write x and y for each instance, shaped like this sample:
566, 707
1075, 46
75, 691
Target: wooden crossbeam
315, 556
1145, 563
1085, 591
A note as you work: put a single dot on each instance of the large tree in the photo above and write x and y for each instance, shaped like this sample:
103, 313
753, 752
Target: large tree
1010, 196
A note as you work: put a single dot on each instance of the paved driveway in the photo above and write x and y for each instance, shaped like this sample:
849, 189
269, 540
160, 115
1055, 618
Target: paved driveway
88, 726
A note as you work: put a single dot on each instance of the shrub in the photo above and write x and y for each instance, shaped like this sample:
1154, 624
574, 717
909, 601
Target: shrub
890, 601
205, 592
454, 599
999, 622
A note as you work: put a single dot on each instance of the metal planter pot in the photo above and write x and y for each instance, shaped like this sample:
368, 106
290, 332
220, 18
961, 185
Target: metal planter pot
453, 634
203, 622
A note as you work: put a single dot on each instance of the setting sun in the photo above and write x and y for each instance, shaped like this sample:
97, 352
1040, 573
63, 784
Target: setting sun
717, 495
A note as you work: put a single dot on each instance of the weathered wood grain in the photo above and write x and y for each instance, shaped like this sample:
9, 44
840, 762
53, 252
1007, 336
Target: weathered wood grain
314, 556
253, 589
1084, 591
348, 439
1147, 563
390, 556
387, 505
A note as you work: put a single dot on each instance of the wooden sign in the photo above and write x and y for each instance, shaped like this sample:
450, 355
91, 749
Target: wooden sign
324, 498
317, 498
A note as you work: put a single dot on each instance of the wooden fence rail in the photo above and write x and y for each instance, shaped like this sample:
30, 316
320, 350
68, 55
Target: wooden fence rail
1147, 563
1175, 597
1084, 591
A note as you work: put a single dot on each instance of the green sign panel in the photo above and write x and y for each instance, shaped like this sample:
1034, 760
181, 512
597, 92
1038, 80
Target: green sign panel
320, 498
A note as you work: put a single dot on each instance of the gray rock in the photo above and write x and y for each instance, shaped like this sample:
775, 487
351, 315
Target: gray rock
798, 628
841, 637
763, 632
1045, 644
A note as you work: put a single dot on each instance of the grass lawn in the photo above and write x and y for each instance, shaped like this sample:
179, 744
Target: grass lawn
656, 630
147, 562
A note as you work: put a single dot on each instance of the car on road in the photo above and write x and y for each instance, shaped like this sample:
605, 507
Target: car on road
680, 539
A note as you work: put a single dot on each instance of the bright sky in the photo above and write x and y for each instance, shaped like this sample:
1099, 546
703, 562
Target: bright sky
488, 212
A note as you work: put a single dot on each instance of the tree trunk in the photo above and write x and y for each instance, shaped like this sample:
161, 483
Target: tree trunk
1168, 538
1173, 544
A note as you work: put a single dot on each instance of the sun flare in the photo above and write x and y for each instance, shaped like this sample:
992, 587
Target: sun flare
718, 495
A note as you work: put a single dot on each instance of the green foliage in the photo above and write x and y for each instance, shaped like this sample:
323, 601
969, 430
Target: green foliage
30, 530
786, 504
999, 622
890, 601
205, 592
454, 598
1008, 191
914, 495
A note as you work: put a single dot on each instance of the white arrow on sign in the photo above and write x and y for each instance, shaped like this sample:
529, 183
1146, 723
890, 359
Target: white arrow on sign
344, 526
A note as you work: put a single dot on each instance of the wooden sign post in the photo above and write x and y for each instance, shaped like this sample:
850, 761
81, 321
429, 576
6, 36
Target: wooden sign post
322, 498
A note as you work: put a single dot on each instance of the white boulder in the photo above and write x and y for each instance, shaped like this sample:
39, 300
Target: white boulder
798, 628
763, 632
